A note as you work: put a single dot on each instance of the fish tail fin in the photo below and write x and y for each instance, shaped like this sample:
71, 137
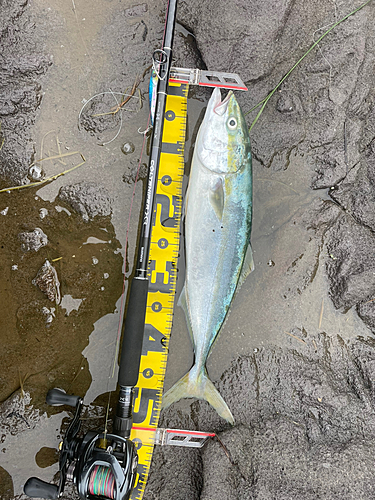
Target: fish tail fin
198, 386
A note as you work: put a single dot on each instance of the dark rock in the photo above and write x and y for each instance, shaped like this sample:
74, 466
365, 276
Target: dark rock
186, 49
22, 64
356, 193
328, 163
350, 263
97, 116
33, 240
366, 311
132, 172
304, 428
17, 414
184, 468
88, 199
321, 215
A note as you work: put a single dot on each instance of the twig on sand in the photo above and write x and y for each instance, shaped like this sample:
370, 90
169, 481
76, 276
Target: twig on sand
59, 149
346, 148
135, 86
22, 381
295, 337
115, 110
42, 142
321, 314
118, 105
80, 368
56, 157
52, 177
279, 182
226, 451
2, 139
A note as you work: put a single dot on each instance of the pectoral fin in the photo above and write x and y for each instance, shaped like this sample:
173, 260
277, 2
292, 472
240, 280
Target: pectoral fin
216, 196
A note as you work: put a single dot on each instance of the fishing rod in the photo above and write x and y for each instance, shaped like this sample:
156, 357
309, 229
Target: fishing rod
101, 464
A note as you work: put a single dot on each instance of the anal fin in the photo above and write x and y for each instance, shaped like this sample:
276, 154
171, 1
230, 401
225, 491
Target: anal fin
247, 266
183, 303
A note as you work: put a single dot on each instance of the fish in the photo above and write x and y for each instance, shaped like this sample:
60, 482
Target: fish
218, 217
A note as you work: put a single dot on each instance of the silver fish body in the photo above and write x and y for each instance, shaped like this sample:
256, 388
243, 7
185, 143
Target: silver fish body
217, 235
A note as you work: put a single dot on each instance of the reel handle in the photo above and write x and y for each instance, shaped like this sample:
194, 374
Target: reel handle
36, 488
58, 397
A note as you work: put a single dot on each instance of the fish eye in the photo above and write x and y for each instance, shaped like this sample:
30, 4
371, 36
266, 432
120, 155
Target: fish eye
232, 123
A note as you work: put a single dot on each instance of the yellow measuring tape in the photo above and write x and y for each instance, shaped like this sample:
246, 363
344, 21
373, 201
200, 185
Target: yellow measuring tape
162, 276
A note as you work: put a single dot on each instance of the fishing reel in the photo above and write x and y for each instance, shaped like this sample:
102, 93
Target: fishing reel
101, 465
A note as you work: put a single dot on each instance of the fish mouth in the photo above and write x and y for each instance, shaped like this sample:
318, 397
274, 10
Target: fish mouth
220, 106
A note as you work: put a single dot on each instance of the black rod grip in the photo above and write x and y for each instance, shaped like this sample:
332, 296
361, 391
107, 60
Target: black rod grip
36, 488
57, 397
132, 339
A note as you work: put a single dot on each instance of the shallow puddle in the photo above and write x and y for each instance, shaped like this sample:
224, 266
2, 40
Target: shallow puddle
71, 344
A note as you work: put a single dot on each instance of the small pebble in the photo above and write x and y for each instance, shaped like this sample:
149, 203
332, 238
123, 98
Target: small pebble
49, 313
35, 173
128, 148
95, 260
33, 241
43, 212
5, 211
106, 276
270, 263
